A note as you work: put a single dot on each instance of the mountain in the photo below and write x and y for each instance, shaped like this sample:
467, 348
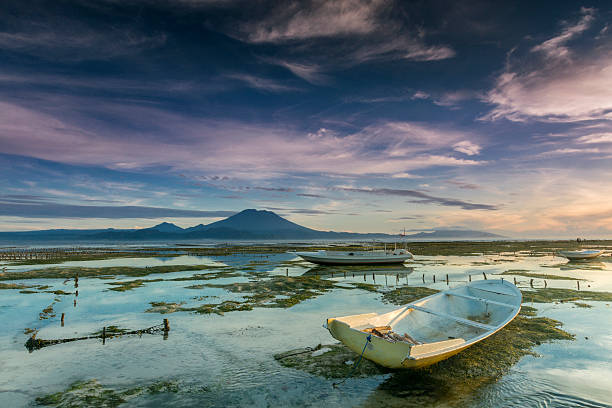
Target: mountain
249, 224
166, 227
257, 221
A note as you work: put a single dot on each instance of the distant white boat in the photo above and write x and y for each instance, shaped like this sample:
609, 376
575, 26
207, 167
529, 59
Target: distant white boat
431, 329
584, 254
323, 257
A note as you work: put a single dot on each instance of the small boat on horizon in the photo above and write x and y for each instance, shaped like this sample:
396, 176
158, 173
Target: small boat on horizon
431, 329
582, 254
324, 257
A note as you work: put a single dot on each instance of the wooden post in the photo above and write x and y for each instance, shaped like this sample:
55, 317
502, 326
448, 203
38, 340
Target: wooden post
447, 278
76, 293
434, 278
76, 281
166, 326
515, 280
74, 302
62, 319
423, 278
104, 335
287, 272
578, 283
545, 285
531, 283
485, 275
469, 277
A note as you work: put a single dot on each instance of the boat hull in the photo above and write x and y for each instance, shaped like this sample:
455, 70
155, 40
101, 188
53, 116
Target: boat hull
578, 255
404, 354
354, 259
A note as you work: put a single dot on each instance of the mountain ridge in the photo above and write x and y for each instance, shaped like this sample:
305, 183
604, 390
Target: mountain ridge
244, 225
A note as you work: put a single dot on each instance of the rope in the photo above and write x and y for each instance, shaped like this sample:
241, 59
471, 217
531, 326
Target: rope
368, 340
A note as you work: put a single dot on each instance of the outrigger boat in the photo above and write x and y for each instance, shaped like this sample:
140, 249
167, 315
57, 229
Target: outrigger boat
584, 254
431, 329
397, 256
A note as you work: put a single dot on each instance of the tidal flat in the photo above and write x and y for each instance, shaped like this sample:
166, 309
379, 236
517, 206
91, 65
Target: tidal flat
245, 328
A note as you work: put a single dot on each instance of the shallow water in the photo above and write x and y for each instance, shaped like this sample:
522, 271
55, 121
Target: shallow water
223, 360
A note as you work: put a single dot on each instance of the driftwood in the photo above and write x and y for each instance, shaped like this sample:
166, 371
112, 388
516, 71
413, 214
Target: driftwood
36, 344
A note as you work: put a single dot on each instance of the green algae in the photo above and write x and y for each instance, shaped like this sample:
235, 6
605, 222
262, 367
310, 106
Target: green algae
292, 289
71, 272
450, 380
13, 286
164, 307
227, 272
93, 394
58, 292
528, 274
129, 285
278, 291
47, 312
219, 308
407, 294
111, 331
551, 295
583, 305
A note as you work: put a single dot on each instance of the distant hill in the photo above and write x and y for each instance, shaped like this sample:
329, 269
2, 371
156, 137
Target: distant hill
457, 234
249, 224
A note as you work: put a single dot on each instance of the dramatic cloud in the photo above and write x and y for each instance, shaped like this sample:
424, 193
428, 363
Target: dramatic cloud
291, 21
240, 149
53, 210
423, 197
366, 30
578, 89
556, 46
66, 38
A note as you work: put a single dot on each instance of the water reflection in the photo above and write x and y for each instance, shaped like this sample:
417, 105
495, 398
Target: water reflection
583, 264
322, 270
231, 355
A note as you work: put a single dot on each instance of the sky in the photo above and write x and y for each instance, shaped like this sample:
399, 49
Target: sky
345, 115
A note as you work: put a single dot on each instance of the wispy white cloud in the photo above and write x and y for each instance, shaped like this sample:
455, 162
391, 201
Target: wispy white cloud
467, 147
579, 89
366, 30
596, 138
311, 73
264, 84
293, 21
73, 40
239, 149
556, 46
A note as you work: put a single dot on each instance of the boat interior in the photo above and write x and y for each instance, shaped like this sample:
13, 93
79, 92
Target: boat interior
459, 315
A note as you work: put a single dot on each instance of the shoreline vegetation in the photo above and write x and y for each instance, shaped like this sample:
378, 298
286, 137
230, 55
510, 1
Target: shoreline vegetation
36, 256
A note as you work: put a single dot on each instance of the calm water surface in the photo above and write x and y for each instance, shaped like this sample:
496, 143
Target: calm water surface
228, 360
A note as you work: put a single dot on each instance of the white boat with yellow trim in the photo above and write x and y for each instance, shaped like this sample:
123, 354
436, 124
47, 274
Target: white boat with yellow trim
324, 257
431, 329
